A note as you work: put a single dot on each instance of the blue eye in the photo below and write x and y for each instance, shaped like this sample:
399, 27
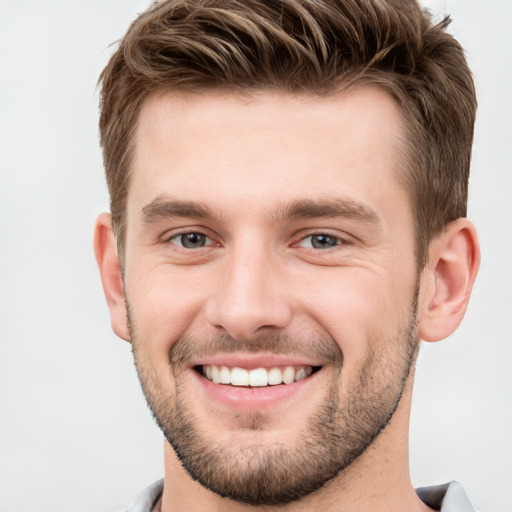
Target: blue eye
321, 241
191, 240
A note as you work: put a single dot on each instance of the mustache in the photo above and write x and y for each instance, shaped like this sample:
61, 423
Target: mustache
187, 348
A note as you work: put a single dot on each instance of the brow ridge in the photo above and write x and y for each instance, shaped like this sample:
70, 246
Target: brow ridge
337, 207
301, 209
162, 208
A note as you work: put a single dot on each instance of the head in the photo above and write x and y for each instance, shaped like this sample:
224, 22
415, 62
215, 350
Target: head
288, 181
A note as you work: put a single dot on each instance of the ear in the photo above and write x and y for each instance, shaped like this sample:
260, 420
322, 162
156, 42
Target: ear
105, 249
447, 280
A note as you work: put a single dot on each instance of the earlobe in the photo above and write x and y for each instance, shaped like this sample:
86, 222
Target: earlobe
447, 280
109, 266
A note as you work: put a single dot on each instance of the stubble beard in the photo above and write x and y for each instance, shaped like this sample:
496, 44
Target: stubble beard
334, 437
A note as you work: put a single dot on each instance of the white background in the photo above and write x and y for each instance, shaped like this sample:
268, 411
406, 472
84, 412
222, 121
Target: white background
75, 434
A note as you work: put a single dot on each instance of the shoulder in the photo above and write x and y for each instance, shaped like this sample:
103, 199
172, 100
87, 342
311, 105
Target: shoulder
449, 497
146, 499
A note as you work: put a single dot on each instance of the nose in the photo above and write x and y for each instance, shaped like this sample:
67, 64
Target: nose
251, 298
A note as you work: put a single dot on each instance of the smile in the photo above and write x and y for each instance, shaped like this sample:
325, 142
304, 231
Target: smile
256, 377
249, 382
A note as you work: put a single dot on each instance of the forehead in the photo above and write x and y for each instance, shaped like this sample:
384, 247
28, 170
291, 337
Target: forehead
261, 148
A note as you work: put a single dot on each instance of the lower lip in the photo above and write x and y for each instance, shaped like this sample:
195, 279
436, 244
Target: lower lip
252, 398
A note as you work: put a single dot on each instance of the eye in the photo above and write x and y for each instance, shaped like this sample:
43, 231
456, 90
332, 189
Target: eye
320, 241
192, 240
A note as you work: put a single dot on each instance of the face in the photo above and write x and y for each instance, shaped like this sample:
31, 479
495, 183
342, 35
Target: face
271, 283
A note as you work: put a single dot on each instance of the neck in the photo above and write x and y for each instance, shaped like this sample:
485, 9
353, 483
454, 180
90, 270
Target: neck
378, 480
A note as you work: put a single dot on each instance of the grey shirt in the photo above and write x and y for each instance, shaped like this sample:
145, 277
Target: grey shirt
446, 498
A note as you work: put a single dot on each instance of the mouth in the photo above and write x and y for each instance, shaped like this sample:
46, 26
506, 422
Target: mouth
236, 376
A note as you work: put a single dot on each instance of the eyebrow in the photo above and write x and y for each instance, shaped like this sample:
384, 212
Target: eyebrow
338, 207
162, 208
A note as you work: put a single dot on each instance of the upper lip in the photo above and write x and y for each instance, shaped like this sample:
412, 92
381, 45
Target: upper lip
251, 361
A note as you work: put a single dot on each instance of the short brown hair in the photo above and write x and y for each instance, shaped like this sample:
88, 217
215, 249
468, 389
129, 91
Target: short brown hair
303, 46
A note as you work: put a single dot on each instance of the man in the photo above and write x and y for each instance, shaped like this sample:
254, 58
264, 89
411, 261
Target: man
288, 185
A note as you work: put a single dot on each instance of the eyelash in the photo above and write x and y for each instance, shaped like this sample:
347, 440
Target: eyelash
335, 238
169, 239
318, 235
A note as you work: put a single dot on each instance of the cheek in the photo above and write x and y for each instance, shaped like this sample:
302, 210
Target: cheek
163, 305
359, 308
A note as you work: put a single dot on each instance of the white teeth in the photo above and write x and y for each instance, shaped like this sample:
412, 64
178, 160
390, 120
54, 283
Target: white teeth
289, 375
275, 376
239, 377
225, 375
300, 374
258, 377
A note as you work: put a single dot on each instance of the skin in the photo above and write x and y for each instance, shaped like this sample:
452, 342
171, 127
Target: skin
246, 160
